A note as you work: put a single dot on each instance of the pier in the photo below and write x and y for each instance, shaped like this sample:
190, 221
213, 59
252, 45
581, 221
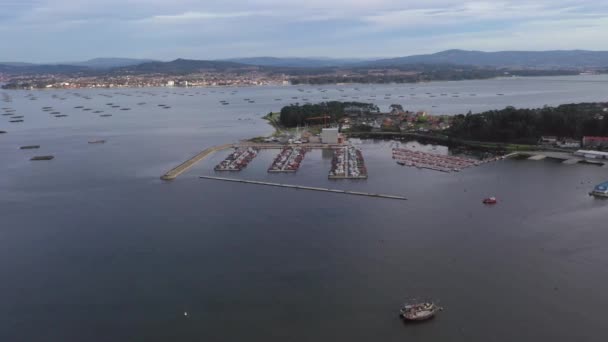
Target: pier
185, 166
302, 187
566, 158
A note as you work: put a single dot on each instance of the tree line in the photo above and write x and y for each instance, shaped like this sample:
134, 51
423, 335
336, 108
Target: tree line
299, 115
528, 125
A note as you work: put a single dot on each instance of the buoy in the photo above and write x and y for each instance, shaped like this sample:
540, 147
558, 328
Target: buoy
186, 313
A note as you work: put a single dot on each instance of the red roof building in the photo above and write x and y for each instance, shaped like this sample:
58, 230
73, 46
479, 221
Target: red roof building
595, 141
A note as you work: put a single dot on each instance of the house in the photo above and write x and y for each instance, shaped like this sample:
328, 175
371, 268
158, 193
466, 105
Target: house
569, 143
548, 139
596, 142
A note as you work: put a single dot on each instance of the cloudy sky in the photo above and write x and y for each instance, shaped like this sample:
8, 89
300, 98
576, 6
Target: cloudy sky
69, 30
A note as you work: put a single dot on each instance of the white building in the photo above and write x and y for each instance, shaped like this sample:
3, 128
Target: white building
329, 135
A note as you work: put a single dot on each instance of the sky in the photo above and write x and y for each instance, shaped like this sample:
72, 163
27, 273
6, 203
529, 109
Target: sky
74, 30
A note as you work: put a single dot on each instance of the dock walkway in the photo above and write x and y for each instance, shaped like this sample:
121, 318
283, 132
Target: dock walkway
302, 187
185, 166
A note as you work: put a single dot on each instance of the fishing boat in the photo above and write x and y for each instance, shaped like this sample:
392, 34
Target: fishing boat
490, 200
600, 190
419, 311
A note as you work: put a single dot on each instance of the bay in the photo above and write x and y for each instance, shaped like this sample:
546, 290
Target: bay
94, 246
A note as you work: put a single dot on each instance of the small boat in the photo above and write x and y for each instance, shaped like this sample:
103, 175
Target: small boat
419, 311
490, 200
600, 190
101, 141
29, 147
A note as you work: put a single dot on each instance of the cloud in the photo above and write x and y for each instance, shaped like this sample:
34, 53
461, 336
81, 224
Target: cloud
191, 16
73, 29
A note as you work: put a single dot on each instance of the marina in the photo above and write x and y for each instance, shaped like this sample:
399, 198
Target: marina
347, 163
237, 160
431, 161
302, 187
288, 160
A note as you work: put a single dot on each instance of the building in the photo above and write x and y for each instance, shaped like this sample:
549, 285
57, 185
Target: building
329, 135
569, 143
548, 139
595, 142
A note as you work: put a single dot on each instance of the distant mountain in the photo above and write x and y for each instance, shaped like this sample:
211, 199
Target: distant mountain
296, 62
524, 59
108, 63
181, 66
32, 69
16, 64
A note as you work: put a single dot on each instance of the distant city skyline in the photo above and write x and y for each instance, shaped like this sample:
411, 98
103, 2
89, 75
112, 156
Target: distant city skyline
51, 31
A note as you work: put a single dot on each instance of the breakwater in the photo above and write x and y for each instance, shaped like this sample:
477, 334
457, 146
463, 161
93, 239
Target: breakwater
185, 166
302, 187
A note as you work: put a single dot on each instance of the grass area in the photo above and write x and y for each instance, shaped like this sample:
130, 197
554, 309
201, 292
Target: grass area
274, 120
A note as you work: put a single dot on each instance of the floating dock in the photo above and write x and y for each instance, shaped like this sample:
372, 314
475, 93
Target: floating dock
302, 187
347, 163
185, 166
432, 161
237, 160
288, 160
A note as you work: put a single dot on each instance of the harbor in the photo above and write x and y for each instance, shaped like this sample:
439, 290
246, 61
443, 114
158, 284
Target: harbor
302, 187
432, 161
297, 156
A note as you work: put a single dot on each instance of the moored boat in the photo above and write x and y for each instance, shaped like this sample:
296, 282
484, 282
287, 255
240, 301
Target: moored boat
490, 200
419, 311
600, 190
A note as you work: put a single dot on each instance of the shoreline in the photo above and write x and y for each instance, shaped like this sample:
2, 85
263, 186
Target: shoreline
336, 84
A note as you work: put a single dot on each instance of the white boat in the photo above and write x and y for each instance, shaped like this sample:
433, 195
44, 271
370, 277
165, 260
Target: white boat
600, 190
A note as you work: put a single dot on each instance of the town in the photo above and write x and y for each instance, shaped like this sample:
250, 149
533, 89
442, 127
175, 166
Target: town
205, 79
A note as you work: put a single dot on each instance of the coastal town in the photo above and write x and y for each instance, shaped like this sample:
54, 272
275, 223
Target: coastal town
207, 79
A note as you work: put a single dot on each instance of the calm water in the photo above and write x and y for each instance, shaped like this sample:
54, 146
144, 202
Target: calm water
94, 247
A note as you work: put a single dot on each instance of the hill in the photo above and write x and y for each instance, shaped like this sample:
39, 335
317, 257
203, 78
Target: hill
182, 67
108, 63
35, 69
296, 62
509, 59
